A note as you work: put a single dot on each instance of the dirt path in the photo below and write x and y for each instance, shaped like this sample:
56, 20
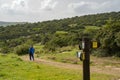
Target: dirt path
53, 63
93, 69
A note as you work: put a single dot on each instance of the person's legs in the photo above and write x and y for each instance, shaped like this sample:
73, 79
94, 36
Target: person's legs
32, 56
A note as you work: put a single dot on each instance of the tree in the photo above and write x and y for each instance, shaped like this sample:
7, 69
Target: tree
109, 38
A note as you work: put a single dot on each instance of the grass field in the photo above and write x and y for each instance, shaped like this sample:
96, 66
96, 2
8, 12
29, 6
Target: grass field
12, 67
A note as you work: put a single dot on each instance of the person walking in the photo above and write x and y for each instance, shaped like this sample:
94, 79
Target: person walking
31, 53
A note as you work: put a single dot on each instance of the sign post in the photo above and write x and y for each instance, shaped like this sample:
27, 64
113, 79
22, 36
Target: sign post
86, 61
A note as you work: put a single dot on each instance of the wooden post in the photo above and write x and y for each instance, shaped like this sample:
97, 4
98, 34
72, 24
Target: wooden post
86, 61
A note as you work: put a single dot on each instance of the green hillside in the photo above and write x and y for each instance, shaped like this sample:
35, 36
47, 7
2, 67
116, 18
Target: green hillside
56, 43
104, 27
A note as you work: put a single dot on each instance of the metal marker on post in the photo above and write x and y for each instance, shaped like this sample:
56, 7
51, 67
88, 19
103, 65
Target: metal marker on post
86, 61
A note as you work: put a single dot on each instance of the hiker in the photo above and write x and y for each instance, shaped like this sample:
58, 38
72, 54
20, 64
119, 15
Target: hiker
31, 53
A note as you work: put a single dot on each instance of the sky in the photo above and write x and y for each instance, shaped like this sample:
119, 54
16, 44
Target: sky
43, 10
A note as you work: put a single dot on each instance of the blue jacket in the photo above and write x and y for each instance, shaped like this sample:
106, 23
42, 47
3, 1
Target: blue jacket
31, 50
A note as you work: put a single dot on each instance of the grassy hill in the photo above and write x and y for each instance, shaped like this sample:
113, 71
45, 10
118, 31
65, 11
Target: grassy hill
103, 27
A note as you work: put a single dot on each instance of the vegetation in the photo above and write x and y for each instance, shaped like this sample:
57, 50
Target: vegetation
58, 40
109, 39
69, 55
22, 49
55, 34
14, 68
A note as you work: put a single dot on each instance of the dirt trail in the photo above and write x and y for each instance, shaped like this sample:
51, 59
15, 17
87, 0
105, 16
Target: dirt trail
103, 70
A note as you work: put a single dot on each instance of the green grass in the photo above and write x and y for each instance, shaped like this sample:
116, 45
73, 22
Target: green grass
65, 55
68, 55
13, 68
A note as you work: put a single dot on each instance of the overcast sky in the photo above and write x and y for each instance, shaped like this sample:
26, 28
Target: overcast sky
43, 10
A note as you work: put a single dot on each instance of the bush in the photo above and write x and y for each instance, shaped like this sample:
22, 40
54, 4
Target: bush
109, 38
100, 53
117, 54
5, 50
22, 49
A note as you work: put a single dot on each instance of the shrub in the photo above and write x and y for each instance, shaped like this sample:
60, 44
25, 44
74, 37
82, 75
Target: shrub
100, 53
22, 49
109, 38
4, 50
